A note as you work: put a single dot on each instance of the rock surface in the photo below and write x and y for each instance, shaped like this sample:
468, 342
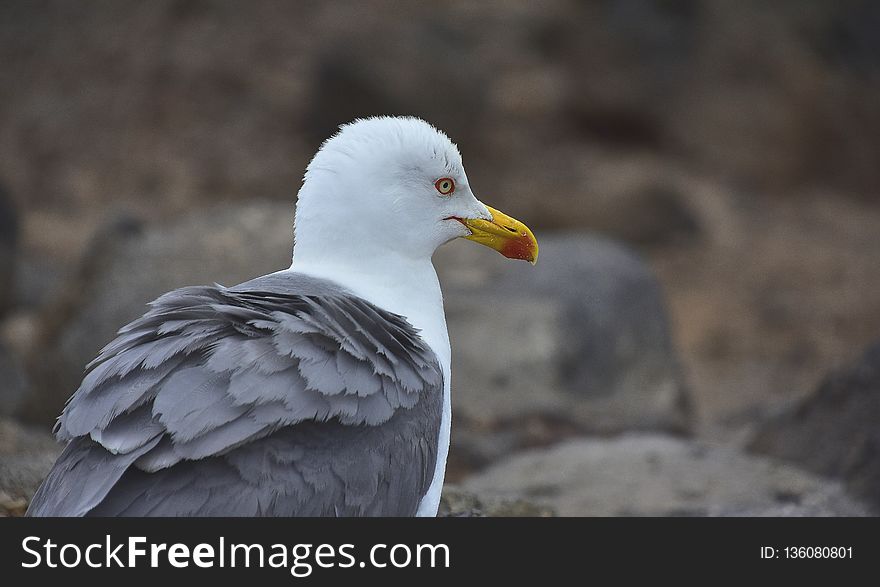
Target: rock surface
581, 337
655, 475
26, 455
835, 431
132, 265
12, 383
457, 503
8, 244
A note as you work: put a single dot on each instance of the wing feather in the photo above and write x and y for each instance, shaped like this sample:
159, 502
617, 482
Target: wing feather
210, 373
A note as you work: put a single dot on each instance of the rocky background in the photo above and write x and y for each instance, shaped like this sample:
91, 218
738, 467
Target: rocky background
700, 336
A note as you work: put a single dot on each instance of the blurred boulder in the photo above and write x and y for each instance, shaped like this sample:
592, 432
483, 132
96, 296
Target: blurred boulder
129, 265
645, 201
581, 338
8, 240
836, 430
12, 388
647, 215
655, 475
368, 75
26, 455
457, 503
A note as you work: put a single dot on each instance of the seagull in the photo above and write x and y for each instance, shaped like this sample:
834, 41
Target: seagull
319, 390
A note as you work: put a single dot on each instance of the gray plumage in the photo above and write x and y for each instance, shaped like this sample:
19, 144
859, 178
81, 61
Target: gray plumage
282, 396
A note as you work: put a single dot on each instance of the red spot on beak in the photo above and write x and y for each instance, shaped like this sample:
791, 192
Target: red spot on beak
520, 248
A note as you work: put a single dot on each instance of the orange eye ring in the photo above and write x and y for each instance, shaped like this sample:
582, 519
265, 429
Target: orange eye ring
445, 185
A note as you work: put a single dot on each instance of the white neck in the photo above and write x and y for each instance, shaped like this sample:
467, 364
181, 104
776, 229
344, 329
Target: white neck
400, 284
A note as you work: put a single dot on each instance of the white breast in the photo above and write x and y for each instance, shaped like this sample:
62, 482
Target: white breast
431, 501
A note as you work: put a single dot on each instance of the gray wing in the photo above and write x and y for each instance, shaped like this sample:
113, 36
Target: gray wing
281, 396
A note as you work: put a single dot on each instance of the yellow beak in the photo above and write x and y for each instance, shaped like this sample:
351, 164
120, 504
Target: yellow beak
508, 236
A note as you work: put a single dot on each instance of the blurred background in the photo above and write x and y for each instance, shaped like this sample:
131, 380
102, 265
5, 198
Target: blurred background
700, 335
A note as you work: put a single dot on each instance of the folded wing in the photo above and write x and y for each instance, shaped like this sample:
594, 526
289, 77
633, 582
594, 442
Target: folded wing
225, 401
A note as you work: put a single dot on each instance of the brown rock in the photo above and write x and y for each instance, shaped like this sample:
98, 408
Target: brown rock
26, 455
834, 431
130, 264
655, 475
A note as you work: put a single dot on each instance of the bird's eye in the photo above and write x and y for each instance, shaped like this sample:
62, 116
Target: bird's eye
445, 185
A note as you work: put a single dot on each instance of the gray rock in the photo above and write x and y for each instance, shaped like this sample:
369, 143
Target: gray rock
836, 430
12, 385
656, 475
643, 200
129, 265
458, 503
581, 337
26, 455
8, 241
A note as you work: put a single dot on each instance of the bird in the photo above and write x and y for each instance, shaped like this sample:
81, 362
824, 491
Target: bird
322, 389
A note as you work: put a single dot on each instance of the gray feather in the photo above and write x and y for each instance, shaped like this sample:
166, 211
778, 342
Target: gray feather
81, 478
285, 395
314, 469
